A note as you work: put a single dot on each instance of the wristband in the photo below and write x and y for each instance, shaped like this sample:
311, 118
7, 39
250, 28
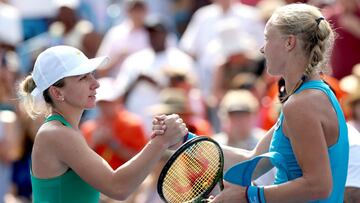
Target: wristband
246, 194
262, 195
189, 136
253, 194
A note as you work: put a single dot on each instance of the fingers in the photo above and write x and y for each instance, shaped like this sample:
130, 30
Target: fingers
157, 121
210, 199
171, 119
159, 128
160, 117
184, 129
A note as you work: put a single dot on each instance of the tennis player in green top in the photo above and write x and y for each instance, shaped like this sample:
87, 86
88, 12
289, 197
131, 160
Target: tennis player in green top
63, 167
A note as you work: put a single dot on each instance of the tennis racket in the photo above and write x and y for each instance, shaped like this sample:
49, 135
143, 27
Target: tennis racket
192, 172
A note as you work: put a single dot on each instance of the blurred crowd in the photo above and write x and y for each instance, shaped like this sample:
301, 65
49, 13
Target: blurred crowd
196, 58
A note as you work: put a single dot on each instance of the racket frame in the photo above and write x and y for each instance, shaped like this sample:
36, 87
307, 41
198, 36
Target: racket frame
219, 176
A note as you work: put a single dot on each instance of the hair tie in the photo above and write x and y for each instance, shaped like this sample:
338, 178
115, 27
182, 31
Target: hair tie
319, 20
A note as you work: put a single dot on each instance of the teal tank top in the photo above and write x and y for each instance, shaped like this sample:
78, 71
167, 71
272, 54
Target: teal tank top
66, 188
338, 153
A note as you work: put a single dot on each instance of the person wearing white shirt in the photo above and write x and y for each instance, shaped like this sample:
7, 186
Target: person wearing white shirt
126, 38
352, 191
203, 28
144, 71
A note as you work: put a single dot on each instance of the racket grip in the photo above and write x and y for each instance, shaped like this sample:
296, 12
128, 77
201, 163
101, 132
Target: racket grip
189, 136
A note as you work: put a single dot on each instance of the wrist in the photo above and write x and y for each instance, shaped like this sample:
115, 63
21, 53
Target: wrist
159, 143
255, 194
189, 136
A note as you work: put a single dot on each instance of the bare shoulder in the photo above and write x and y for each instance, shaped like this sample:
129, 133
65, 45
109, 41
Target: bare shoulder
310, 103
307, 113
57, 140
53, 134
52, 142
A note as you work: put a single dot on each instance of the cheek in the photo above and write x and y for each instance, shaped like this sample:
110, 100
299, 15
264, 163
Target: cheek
80, 96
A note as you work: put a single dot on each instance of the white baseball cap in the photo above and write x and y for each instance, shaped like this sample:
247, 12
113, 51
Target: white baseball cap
59, 62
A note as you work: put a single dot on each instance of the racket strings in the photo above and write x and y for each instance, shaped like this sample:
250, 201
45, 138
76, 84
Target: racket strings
192, 173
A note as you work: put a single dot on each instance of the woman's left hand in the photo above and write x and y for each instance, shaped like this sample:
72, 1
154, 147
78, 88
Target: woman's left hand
231, 193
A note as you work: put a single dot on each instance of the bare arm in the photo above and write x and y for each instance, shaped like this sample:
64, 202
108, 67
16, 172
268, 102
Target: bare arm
10, 142
352, 195
94, 170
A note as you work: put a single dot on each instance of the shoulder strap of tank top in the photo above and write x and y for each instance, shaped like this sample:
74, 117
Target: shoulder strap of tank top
57, 117
321, 85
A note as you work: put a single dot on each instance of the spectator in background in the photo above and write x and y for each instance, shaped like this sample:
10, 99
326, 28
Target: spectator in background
144, 70
11, 32
352, 190
21, 180
237, 112
203, 28
239, 57
180, 78
10, 35
115, 134
175, 101
345, 17
67, 29
97, 13
9, 148
126, 38
36, 15
351, 85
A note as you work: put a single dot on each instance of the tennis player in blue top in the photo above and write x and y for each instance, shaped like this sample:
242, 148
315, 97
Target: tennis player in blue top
311, 133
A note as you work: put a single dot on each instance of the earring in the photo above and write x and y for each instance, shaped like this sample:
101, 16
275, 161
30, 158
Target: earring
62, 99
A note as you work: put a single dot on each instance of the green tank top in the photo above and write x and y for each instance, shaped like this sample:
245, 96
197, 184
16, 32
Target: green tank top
66, 188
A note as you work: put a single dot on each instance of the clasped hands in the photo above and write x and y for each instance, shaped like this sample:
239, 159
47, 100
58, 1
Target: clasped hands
171, 128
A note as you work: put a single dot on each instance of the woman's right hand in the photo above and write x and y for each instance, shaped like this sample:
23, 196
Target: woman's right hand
171, 129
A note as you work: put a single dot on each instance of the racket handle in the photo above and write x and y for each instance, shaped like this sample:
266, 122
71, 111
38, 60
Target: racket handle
221, 184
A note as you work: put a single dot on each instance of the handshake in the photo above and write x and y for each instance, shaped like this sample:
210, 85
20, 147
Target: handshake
170, 130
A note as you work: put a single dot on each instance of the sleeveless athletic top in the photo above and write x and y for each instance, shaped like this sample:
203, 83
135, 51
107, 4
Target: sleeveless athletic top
66, 188
338, 153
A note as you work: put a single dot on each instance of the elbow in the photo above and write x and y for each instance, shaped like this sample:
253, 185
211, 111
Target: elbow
120, 197
119, 191
321, 190
121, 194
323, 193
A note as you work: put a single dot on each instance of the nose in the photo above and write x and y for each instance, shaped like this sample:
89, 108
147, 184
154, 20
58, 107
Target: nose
262, 50
95, 84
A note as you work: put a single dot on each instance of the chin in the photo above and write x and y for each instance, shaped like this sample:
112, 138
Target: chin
90, 106
272, 72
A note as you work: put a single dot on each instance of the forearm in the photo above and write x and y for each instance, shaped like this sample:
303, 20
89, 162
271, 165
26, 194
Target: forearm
10, 145
352, 195
123, 151
298, 190
130, 175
